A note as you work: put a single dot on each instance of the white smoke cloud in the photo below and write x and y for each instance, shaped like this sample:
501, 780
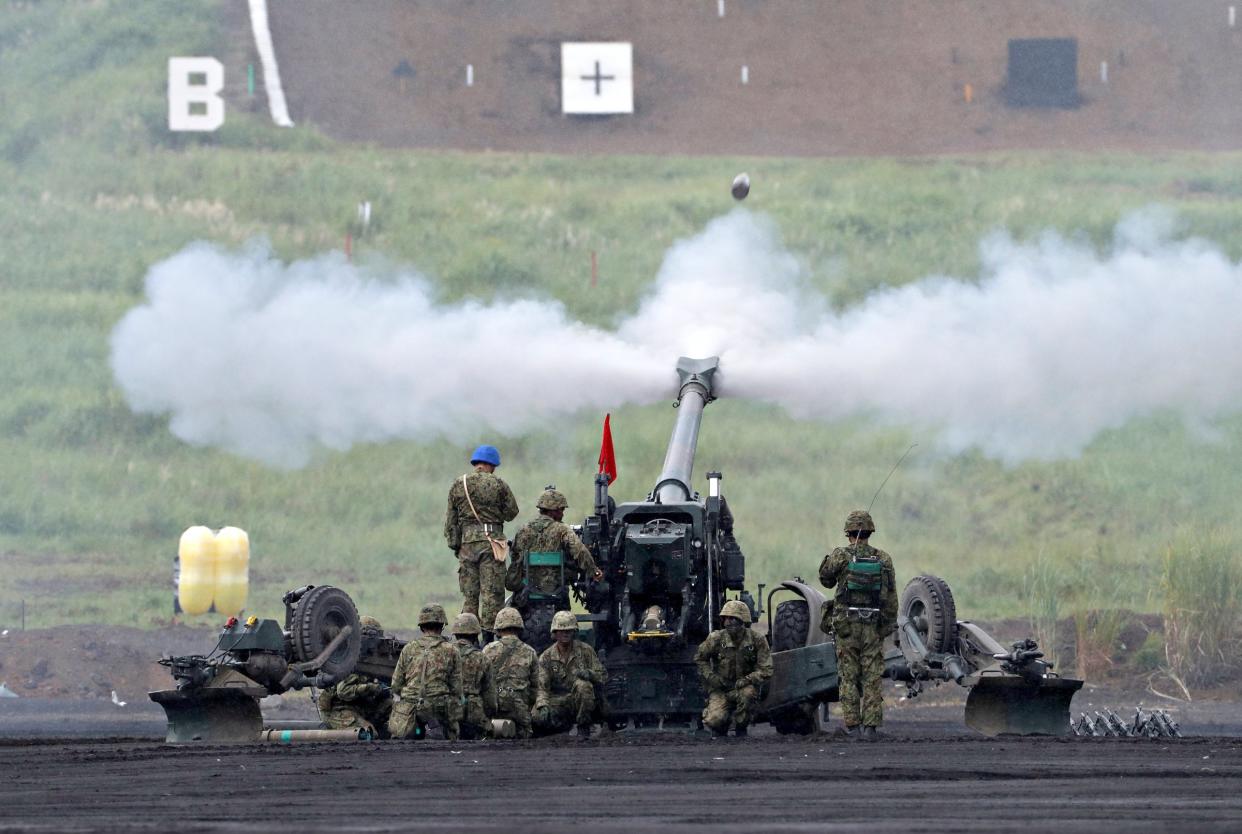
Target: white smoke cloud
269, 360
1052, 344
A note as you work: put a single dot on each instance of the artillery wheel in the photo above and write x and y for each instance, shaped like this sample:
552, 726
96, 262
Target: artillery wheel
928, 603
317, 618
791, 626
799, 720
538, 627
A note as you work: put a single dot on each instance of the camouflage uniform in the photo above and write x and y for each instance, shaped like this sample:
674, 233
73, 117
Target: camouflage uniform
479, 690
860, 650
480, 577
564, 698
428, 681
514, 671
357, 701
547, 535
732, 672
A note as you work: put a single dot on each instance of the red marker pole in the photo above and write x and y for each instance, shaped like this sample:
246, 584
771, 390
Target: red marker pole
349, 246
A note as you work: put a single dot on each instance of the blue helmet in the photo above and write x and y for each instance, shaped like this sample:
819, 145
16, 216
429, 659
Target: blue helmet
486, 454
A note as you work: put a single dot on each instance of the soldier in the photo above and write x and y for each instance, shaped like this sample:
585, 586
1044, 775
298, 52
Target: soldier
863, 612
427, 681
479, 504
477, 682
359, 700
514, 670
733, 664
547, 534
569, 671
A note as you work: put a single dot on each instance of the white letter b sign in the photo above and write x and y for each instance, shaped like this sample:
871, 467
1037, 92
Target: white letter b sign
192, 104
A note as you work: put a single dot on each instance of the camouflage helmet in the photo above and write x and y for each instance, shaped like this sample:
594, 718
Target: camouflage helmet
432, 614
859, 521
564, 621
737, 609
370, 625
509, 618
466, 623
551, 499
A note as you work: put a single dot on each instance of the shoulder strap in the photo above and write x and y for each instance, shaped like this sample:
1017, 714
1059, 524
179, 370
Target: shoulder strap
509, 656
468, 500
466, 489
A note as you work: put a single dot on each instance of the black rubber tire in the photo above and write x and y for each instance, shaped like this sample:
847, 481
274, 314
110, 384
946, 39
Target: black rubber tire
791, 626
929, 599
318, 617
795, 721
538, 627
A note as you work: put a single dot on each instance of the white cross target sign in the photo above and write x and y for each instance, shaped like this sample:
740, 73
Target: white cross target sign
597, 78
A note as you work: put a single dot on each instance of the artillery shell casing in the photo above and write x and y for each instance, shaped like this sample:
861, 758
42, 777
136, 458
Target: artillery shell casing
295, 736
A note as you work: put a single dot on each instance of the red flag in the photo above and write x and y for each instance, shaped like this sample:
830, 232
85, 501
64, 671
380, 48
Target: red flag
607, 457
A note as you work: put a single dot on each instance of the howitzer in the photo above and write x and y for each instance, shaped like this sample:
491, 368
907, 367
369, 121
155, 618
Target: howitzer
669, 562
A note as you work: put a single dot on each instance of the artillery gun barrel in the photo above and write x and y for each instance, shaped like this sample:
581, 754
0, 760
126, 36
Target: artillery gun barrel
697, 381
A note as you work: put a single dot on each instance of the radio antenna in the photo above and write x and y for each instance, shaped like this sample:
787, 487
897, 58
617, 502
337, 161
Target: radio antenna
889, 475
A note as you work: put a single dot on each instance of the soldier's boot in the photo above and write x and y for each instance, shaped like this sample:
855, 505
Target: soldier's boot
584, 732
720, 732
740, 731
870, 734
847, 732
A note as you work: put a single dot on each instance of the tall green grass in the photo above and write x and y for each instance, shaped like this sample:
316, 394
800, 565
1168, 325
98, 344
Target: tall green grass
93, 497
1201, 583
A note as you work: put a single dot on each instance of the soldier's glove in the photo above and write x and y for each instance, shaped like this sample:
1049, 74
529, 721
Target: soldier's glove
584, 675
542, 714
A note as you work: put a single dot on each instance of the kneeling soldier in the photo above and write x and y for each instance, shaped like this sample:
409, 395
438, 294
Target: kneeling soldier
733, 664
427, 681
359, 700
514, 670
569, 671
476, 679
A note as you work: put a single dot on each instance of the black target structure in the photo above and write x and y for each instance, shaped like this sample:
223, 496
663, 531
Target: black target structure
1043, 72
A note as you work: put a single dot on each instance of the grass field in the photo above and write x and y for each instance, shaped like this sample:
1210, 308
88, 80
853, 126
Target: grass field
92, 497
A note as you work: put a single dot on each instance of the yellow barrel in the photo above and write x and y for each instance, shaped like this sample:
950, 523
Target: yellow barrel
232, 570
197, 577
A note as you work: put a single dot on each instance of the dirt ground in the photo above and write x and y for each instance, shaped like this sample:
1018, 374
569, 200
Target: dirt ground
850, 77
110, 761
925, 773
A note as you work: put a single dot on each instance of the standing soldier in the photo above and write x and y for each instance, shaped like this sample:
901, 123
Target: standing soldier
479, 504
569, 671
733, 664
427, 681
864, 611
358, 700
514, 669
478, 686
548, 534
